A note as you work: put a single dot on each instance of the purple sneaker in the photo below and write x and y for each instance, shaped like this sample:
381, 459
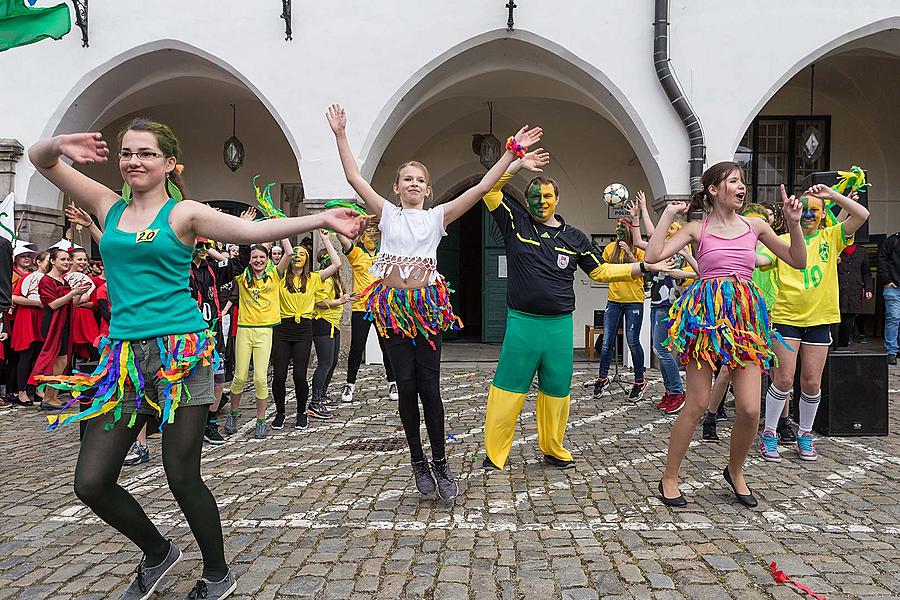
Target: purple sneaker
806, 447
768, 446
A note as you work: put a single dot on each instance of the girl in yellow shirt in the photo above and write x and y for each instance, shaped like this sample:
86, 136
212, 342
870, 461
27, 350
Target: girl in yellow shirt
330, 301
292, 338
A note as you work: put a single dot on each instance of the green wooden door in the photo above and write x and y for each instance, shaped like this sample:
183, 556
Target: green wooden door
493, 288
448, 265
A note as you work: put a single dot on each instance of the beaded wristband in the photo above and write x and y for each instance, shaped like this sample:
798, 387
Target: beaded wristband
513, 146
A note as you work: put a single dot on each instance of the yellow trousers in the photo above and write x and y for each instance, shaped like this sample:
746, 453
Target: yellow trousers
255, 342
503, 410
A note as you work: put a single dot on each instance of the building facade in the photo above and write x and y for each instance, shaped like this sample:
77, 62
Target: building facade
416, 79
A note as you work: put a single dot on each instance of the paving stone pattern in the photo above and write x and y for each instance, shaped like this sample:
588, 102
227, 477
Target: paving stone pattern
332, 512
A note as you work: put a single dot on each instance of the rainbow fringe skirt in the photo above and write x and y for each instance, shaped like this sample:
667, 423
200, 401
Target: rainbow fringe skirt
424, 311
118, 373
718, 321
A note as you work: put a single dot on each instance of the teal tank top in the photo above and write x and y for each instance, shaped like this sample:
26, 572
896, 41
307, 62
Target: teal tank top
148, 278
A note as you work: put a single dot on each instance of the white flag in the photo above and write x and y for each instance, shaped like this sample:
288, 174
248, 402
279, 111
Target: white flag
8, 218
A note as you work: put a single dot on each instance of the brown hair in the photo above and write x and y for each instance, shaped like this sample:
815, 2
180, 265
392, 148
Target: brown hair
541, 180
167, 142
291, 279
618, 255
712, 177
55, 252
39, 257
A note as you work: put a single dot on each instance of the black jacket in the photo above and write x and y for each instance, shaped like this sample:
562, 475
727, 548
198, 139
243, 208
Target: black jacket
854, 279
889, 261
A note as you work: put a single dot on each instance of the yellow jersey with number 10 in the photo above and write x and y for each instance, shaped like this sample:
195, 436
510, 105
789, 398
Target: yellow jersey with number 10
809, 297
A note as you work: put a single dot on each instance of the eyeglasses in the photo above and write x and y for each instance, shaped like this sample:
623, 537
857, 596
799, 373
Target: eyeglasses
142, 156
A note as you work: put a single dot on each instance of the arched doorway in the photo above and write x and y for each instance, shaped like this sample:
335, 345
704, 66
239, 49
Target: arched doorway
192, 92
590, 134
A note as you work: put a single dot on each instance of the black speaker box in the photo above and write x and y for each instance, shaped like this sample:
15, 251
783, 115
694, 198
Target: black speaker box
598, 318
829, 178
854, 394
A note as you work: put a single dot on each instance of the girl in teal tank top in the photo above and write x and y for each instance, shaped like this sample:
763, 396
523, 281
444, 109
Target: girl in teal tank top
158, 357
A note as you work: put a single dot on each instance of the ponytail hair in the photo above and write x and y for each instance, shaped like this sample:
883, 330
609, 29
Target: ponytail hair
169, 146
712, 177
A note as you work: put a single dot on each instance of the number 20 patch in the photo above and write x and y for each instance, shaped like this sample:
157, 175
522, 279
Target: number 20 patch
147, 235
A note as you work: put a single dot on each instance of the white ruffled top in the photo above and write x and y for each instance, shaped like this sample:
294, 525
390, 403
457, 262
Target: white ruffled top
409, 241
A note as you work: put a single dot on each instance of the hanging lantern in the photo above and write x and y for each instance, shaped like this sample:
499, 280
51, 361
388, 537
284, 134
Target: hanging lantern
234, 149
486, 146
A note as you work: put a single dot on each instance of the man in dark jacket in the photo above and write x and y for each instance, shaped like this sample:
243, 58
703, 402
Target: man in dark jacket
889, 277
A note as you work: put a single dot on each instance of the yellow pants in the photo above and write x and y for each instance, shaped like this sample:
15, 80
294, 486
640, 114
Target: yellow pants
503, 410
255, 342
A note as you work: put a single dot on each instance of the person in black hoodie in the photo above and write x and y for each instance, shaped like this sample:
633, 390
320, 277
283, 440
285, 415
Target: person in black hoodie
889, 278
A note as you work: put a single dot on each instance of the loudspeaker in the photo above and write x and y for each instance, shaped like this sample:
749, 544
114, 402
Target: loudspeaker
829, 178
854, 394
598, 318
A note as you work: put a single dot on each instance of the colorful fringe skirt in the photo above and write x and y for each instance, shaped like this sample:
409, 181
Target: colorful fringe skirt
118, 377
718, 321
424, 310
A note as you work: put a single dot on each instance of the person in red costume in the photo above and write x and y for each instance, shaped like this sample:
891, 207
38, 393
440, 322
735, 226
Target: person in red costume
26, 339
84, 321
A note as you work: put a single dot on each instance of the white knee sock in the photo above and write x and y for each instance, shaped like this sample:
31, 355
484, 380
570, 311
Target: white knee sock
809, 405
775, 400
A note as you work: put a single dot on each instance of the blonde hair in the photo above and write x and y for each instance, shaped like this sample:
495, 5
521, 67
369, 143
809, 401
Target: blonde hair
418, 165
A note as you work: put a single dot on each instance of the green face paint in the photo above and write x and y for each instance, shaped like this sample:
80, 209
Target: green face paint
541, 201
813, 212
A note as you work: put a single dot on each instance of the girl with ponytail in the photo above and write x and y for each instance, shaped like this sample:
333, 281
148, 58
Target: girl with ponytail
159, 357
721, 319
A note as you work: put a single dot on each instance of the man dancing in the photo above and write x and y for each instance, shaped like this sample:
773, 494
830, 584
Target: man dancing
543, 253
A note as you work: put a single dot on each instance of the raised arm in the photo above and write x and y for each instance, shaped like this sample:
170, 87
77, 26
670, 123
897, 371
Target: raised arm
337, 119
346, 245
333, 254
80, 217
287, 251
659, 248
794, 254
82, 149
858, 214
457, 207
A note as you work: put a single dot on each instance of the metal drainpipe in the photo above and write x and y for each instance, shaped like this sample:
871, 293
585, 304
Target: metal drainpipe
675, 94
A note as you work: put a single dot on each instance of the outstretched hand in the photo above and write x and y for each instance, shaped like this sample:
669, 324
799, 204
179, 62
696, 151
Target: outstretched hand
84, 148
820, 190
345, 221
525, 137
337, 118
677, 208
792, 208
249, 214
78, 216
535, 161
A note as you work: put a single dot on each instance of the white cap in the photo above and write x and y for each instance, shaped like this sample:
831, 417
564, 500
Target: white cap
22, 248
66, 245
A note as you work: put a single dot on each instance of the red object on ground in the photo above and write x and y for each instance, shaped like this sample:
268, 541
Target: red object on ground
781, 577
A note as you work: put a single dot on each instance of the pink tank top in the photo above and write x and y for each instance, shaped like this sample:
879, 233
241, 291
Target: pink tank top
721, 257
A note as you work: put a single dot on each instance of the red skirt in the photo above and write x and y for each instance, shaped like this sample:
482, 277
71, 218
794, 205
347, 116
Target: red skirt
84, 327
26, 327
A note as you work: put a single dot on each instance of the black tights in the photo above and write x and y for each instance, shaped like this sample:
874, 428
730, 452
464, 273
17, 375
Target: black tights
25, 364
328, 348
291, 341
418, 370
97, 474
359, 333
845, 329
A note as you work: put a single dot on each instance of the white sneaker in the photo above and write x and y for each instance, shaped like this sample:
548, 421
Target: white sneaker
347, 392
392, 390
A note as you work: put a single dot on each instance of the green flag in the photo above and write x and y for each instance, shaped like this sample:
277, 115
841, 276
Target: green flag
21, 25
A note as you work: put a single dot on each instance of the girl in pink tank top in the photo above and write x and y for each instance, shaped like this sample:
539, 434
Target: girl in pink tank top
721, 319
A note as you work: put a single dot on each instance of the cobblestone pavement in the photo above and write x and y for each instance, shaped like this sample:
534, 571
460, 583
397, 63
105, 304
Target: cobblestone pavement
332, 512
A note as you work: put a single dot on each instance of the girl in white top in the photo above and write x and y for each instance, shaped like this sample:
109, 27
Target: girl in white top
410, 300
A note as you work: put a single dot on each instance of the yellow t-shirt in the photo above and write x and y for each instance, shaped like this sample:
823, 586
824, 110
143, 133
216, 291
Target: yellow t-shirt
259, 305
297, 305
631, 290
360, 263
810, 297
326, 292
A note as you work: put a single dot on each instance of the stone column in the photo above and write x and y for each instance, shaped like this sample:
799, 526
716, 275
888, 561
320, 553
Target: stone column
36, 224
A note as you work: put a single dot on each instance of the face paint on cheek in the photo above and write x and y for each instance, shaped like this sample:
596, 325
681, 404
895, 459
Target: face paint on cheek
541, 200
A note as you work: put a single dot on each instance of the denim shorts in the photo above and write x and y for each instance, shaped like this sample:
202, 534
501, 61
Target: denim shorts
146, 357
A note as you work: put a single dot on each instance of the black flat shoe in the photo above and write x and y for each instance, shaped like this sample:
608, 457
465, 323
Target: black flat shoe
747, 500
558, 462
675, 502
488, 465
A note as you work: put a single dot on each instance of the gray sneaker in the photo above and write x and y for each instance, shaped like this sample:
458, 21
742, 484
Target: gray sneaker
149, 577
231, 422
213, 590
446, 484
262, 429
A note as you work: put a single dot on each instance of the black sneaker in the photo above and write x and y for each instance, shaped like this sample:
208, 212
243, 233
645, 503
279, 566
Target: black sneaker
331, 403
446, 484
709, 428
424, 480
892, 359
212, 435
302, 421
488, 465
600, 386
278, 421
318, 411
721, 415
785, 432
637, 390
558, 462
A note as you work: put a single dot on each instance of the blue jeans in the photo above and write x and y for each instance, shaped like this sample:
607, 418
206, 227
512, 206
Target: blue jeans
668, 365
891, 319
612, 318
